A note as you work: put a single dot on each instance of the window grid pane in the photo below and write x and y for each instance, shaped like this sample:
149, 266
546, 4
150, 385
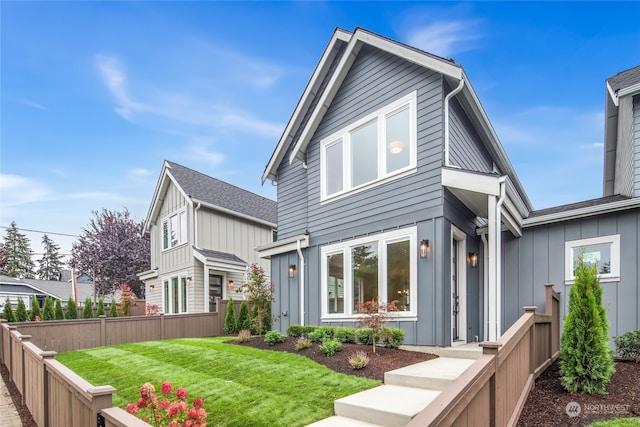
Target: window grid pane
165, 235
364, 154
335, 283
334, 168
183, 291
398, 135
399, 274
600, 255
364, 262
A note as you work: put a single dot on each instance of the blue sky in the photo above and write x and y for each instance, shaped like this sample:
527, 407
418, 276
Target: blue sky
95, 95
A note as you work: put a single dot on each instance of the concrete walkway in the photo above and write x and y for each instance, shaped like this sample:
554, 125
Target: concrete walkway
8, 415
406, 391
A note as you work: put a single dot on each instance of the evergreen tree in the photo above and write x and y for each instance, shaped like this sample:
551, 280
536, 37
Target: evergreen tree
100, 310
59, 313
17, 252
255, 323
230, 326
112, 310
266, 317
87, 311
8, 311
35, 309
71, 309
244, 320
21, 311
4, 264
47, 312
51, 261
586, 363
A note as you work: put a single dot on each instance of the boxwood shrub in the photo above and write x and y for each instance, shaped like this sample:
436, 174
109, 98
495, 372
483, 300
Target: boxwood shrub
273, 337
295, 331
392, 337
628, 345
364, 336
344, 334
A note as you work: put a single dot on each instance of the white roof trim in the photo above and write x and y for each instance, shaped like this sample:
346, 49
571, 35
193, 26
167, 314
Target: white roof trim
235, 213
630, 90
470, 181
149, 274
582, 212
217, 262
612, 94
161, 187
283, 246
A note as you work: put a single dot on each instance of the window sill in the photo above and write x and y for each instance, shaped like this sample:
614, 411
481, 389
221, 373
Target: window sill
341, 195
399, 318
607, 279
175, 247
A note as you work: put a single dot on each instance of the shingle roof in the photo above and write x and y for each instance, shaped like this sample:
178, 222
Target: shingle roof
210, 190
223, 256
578, 205
62, 290
625, 79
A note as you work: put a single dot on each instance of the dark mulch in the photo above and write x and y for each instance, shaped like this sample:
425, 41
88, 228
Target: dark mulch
547, 402
384, 360
25, 415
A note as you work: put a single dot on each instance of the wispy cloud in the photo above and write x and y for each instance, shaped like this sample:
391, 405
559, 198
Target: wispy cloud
18, 190
139, 172
445, 38
31, 103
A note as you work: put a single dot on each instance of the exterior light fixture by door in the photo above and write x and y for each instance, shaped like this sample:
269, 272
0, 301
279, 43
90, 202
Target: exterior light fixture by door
190, 280
424, 248
152, 288
292, 270
473, 259
230, 284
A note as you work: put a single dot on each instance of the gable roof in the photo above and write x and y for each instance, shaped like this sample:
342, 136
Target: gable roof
624, 79
58, 289
328, 76
212, 193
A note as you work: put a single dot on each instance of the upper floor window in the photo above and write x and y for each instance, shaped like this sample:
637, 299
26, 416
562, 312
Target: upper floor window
174, 230
603, 252
376, 147
380, 268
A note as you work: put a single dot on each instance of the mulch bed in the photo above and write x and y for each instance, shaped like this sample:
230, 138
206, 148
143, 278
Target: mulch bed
547, 402
384, 360
25, 415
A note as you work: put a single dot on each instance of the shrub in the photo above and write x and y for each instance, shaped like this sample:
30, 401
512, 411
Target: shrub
328, 332
100, 310
47, 310
259, 292
364, 336
72, 309
316, 336
87, 310
36, 313
306, 330
303, 343
8, 311
21, 311
244, 321
244, 335
273, 337
359, 360
266, 317
374, 315
165, 409
330, 347
295, 331
59, 312
392, 337
230, 324
586, 365
113, 312
343, 334
628, 345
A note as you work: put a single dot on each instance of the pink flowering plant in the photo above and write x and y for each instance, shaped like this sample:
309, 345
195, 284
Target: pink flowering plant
168, 410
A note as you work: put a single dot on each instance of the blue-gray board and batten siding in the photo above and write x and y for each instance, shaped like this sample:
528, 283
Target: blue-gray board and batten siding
538, 257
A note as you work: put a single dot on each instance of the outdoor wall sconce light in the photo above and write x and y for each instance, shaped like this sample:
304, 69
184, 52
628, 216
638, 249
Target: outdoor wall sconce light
190, 280
473, 259
424, 249
152, 288
292, 270
230, 284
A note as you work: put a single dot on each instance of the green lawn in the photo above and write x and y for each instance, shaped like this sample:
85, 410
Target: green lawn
620, 422
241, 386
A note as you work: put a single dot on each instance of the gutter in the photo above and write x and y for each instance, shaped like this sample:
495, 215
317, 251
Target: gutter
498, 240
301, 258
195, 225
446, 121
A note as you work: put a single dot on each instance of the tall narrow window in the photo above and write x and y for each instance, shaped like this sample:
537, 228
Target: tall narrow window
364, 262
174, 230
183, 294
335, 283
174, 295
399, 274
364, 154
398, 137
165, 234
334, 167
167, 297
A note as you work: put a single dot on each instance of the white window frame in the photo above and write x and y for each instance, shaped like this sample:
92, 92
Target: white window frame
181, 302
383, 240
576, 245
181, 232
407, 101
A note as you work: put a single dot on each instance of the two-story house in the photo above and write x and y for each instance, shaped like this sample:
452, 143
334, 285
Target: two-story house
393, 185
203, 235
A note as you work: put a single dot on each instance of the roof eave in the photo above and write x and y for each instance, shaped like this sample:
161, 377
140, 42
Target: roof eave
161, 187
582, 212
235, 213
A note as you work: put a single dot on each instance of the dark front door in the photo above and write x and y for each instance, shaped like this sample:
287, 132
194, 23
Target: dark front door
215, 290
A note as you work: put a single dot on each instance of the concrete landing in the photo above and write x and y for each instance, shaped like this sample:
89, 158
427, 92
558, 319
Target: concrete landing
433, 374
464, 351
337, 421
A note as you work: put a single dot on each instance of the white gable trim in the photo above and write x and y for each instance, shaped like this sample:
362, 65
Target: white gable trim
161, 188
283, 246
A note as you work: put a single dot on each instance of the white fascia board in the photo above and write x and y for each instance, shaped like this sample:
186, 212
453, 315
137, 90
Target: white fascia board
234, 213
475, 182
283, 246
582, 212
516, 199
160, 186
214, 262
146, 275
303, 104
511, 223
631, 90
612, 95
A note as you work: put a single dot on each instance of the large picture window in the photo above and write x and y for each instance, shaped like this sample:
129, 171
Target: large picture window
603, 252
373, 149
380, 268
174, 230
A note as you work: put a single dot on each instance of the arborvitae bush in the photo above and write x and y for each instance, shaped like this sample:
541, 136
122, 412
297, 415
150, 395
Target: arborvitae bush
59, 312
21, 311
100, 310
586, 364
255, 325
266, 317
87, 310
71, 311
113, 312
244, 321
35, 309
230, 325
8, 311
47, 312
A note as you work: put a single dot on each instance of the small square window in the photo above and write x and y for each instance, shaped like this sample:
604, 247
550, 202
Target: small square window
604, 252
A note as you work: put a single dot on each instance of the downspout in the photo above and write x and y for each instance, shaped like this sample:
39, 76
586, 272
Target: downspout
485, 285
498, 237
195, 225
301, 258
446, 121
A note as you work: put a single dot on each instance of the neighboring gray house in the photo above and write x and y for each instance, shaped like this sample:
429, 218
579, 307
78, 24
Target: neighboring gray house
203, 234
393, 185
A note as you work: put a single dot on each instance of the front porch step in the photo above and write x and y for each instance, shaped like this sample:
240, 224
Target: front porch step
337, 421
433, 374
387, 405
464, 351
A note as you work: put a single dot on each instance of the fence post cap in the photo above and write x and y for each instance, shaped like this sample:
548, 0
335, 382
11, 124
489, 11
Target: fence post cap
13, 327
4, 321
48, 354
548, 284
25, 337
490, 347
101, 390
530, 308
